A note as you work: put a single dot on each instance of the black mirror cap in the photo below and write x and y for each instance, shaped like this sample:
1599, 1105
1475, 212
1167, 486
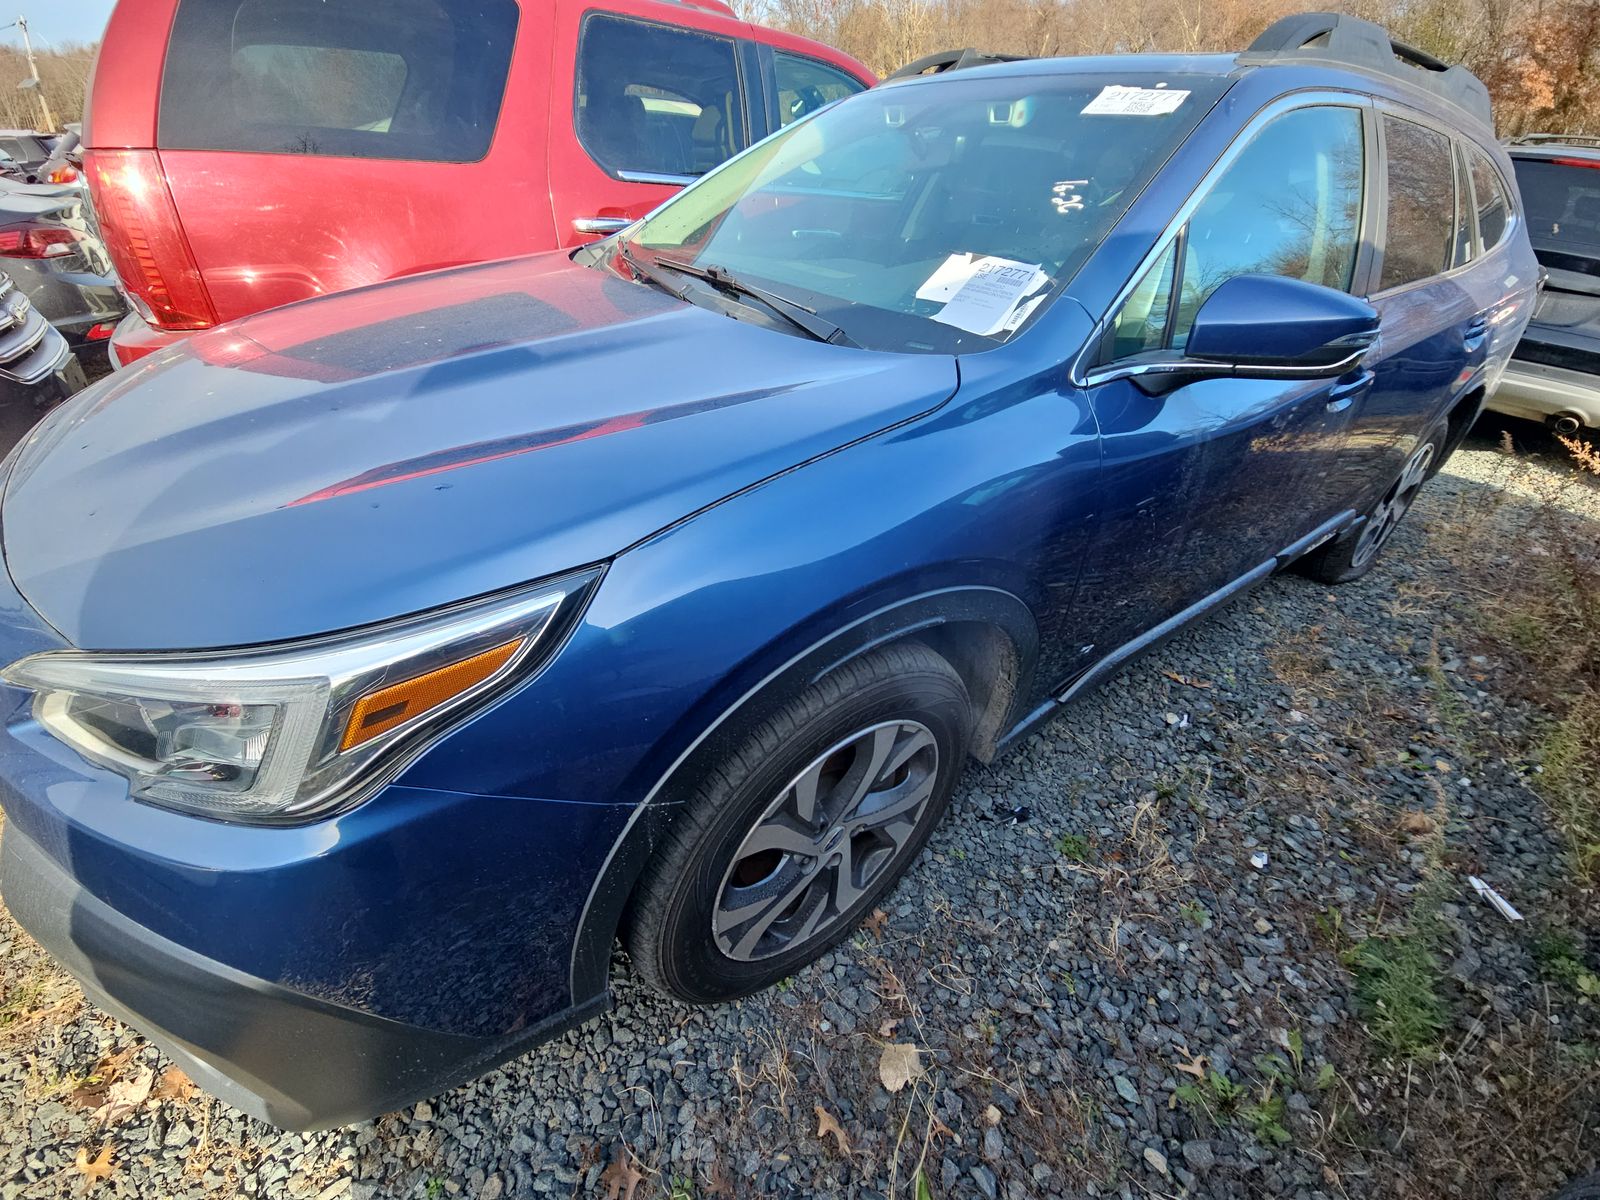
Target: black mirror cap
1271, 323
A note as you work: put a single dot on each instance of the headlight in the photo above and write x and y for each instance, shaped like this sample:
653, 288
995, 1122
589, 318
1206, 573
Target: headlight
291, 732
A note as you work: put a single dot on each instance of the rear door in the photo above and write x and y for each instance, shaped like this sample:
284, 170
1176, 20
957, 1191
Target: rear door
642, 107
1434, 329
314, 145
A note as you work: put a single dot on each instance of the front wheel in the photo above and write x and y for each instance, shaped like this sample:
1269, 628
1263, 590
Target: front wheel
797, 834
1353, 553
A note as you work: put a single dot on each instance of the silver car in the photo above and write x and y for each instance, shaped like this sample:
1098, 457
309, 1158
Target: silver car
1554, 373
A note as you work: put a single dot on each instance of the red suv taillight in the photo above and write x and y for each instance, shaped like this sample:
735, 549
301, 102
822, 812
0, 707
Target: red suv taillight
66, 173
141, 230
37, 241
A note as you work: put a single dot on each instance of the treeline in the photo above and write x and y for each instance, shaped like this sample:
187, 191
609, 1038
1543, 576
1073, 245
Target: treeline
63, 77
1539, 58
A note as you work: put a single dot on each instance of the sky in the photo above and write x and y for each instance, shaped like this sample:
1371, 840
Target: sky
55, 21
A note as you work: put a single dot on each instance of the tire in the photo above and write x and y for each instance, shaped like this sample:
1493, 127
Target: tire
733, 858
1587, 1188
1355, 551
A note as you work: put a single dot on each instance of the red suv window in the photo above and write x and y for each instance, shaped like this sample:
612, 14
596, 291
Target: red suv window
324, 77
655, 100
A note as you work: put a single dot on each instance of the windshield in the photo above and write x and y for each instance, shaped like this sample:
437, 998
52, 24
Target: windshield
1562, 200
938, 216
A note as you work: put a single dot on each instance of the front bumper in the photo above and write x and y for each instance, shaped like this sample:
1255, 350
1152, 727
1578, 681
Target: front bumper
1536, 391
277, 1054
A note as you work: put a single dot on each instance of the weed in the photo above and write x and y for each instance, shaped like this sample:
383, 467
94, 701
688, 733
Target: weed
1195, 913
1559, 960
434, 1188
682, 1188
1265, 1119
1397, 983
1075, 847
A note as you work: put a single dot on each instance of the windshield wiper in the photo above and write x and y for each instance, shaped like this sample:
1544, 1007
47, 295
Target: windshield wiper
802, 318
646, 271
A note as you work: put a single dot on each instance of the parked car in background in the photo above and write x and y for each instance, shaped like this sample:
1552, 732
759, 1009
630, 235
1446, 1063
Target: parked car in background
375, 661
65, 165
1554, 374
37, 370
51, 249
24, 152
246, 153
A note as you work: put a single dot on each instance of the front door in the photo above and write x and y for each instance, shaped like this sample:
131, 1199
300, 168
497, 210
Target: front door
641, 109
1210, 480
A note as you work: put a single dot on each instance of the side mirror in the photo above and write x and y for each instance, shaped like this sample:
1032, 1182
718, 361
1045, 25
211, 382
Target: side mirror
1261, 327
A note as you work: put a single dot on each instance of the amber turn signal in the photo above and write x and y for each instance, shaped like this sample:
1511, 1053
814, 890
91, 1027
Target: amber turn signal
380, 711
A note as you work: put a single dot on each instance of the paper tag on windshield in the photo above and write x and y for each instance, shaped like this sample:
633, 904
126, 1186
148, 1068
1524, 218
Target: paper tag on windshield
988, 301
1118, 101
951, 274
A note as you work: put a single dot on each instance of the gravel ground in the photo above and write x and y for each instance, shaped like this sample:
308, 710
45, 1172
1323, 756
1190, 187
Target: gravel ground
1124, 961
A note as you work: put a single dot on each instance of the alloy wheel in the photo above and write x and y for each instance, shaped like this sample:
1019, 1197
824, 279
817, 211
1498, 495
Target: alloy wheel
825, 839
1397, 500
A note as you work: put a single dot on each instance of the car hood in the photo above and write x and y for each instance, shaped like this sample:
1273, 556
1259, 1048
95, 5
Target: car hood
349, 460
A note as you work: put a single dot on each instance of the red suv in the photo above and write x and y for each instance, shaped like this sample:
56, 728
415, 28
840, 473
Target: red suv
246, 153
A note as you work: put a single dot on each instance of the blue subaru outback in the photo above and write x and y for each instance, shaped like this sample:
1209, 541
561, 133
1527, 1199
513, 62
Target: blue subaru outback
372, 665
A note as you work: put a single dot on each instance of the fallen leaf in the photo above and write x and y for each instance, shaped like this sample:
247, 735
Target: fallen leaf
718, 1184
1186, 680
876, 922
899, 1064
174, 1085
1196, 1065
887, 1028
1417, 822
126, 1095
939, 1129
621, 1178
95, 1169
826, 1125
992, 1115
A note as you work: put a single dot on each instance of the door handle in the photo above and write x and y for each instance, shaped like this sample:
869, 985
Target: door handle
600, 225
1476, 333
1344, 394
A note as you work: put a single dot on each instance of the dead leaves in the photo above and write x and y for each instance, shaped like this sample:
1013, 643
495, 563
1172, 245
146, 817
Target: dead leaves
899, 1064
1186, 680
125, 1096
175, 1085
827, 1124
1417, 823
876, 922
1196, 1065
621, 1178
94, 1170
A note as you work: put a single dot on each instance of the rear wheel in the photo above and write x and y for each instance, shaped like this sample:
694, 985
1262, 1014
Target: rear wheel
1353, 553
796, 835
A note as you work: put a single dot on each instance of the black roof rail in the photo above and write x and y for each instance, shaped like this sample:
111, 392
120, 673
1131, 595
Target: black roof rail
951, 60
1334, 37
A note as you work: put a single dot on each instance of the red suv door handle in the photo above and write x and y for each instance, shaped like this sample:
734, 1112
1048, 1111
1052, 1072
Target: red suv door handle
600, 225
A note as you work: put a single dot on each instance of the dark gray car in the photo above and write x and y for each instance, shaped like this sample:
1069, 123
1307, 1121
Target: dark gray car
1554, 374
51, 248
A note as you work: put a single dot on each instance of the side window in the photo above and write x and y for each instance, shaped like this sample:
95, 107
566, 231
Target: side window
1489, 195
1420, 232
805, 85
1289, 204
419, 81
656, 100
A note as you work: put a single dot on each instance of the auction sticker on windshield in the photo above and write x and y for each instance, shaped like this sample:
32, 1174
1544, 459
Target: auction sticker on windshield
1115, 100
989, 299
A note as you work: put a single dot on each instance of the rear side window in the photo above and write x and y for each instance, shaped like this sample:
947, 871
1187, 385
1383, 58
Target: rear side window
1420, 234
805, 85
657, 100
1489, 194
405, 79
1562, 204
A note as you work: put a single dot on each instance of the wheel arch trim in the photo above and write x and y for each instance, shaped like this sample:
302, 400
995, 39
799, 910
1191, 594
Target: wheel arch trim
936, 616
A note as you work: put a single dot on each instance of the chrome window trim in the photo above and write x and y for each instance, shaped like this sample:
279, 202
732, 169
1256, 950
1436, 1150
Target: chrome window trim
1078, 374
657, 177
